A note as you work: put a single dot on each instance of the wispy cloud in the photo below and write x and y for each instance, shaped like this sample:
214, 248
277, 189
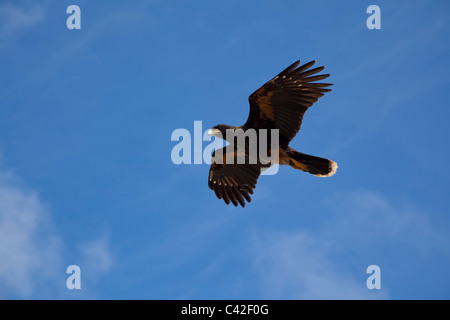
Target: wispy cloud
15, 17
30, 249
331, 262
299, 265
96, 255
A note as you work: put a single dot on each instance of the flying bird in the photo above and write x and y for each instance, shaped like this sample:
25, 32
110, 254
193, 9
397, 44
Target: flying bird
279, 104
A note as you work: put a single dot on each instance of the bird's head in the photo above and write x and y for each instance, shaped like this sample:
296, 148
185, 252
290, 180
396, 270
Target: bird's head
220, 130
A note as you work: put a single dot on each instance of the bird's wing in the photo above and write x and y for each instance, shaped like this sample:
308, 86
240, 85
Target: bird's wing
282, 101
231, 181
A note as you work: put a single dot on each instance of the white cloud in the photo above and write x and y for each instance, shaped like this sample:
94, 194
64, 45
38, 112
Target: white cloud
14, 17
363, 228
29, 246
298, 265
32, 257
95, 255
372, 218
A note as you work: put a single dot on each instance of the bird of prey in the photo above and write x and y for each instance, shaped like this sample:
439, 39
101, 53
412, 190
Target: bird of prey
278, 104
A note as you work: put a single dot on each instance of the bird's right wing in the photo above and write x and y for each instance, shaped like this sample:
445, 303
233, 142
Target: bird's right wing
231, 181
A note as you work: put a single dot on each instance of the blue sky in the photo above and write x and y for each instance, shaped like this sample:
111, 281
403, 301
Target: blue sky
86, 176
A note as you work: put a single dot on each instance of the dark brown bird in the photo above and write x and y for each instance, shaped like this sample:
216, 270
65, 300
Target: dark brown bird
278, 104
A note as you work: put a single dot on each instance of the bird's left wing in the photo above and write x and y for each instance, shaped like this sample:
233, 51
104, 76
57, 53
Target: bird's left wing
231, 181
281, 102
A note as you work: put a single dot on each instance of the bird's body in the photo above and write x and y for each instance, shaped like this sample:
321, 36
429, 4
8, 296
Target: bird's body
278, 105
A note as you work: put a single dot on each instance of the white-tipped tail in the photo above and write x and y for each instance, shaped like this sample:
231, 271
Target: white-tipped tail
333, 168
317, 166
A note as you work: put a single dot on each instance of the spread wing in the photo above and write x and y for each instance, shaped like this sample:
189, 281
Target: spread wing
282, 101
231, 181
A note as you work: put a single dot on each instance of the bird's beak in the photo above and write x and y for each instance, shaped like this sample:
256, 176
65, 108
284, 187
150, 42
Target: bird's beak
213, 132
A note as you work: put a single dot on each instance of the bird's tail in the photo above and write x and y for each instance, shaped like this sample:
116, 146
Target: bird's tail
317, 166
